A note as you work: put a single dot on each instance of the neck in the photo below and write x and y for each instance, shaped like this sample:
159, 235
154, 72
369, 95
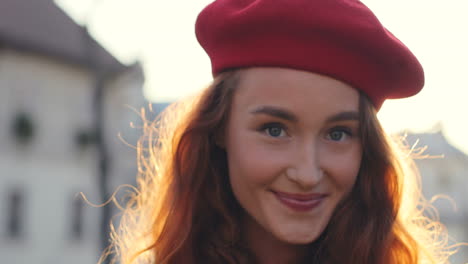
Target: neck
267, 249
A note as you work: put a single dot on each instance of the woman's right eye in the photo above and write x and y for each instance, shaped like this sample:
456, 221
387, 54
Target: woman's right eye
274, 130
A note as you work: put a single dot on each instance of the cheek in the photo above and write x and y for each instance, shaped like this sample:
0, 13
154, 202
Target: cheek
251, 163
344, 169
249, 173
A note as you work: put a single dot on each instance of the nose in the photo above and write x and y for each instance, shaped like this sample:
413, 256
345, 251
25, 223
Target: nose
306, 170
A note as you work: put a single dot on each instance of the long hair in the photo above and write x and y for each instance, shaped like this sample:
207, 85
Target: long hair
183, 209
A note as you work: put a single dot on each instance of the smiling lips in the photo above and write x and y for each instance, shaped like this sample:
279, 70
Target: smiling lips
300, 202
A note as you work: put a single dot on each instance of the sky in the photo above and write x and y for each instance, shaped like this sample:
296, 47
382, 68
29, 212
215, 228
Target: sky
160, 34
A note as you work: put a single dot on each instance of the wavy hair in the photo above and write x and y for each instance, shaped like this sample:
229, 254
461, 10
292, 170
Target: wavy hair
183, 209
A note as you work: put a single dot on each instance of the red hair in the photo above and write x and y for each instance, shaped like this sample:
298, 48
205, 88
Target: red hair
184, 211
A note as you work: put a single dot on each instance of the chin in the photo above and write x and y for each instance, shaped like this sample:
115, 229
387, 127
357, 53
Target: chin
301, 237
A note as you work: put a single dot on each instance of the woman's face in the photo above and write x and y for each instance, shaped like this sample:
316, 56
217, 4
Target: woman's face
293, 149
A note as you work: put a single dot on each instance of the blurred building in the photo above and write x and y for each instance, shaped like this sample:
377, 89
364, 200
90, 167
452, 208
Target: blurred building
59, 91
444, 174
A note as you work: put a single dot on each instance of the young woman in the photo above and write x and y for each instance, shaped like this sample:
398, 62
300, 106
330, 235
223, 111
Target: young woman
282, 159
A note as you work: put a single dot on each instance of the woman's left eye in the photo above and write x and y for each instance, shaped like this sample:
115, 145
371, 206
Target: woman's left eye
274, 130
339, 134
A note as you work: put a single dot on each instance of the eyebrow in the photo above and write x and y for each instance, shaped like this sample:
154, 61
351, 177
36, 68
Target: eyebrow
344, 116
275, 112
286, 115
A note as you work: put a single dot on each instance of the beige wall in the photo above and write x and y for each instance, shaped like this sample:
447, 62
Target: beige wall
52, 168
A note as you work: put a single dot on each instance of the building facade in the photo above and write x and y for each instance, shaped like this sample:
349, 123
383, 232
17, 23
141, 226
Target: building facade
64, 100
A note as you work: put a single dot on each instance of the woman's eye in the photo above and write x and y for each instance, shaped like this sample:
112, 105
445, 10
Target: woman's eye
339, 134
274, 130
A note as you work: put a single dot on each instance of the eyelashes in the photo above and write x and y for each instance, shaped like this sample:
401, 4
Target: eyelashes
274, 129
339, 133
279, 130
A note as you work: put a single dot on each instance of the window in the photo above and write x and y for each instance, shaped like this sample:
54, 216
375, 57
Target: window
77, 218
15, 214
84, 138
23, 128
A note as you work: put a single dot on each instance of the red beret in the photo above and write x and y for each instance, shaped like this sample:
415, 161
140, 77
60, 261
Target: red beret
339, 38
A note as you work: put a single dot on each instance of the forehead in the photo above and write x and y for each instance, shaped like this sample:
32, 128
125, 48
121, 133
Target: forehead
296, 90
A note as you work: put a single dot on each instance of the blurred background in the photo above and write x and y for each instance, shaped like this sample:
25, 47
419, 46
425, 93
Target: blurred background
72, 71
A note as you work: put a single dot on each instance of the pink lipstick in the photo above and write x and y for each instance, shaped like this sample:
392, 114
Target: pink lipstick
300, 202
